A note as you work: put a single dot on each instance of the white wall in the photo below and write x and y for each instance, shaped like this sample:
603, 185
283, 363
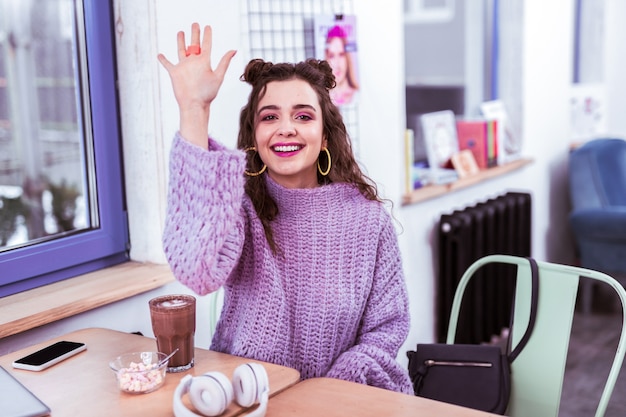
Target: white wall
616, 62
150, 119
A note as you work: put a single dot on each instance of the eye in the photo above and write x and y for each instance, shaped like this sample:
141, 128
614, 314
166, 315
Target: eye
268, 117
303, 117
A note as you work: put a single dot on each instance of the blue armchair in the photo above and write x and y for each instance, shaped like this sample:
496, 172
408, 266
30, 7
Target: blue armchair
597, 174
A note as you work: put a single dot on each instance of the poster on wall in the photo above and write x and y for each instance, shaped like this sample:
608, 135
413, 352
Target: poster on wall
335, 42
587, 112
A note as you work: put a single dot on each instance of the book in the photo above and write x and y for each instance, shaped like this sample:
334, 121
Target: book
416, 172
441, 175
472, 135
509, 142
492, 142
480, 136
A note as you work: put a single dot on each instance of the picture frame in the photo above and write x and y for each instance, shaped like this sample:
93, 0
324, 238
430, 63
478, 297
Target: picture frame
465, 164
440, 138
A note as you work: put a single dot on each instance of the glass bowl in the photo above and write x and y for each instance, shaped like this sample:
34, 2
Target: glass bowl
139, 372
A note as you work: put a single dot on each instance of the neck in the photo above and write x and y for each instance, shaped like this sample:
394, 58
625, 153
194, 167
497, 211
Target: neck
294, 183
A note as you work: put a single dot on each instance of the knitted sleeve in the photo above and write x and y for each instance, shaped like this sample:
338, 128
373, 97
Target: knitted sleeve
384, 325
204, 230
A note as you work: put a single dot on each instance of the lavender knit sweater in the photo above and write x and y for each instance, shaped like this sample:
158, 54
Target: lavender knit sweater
332, 303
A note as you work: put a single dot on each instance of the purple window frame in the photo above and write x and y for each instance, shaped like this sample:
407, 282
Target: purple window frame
55, 260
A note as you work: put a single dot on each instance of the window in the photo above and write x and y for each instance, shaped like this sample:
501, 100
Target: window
61, 188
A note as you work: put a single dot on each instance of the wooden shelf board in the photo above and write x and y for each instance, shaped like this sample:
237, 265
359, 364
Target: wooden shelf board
432, 191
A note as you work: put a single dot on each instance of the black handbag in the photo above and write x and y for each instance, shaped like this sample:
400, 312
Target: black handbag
474, 376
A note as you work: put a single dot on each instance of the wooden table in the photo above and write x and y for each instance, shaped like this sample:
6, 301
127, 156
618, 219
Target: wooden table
333, 397
85, 385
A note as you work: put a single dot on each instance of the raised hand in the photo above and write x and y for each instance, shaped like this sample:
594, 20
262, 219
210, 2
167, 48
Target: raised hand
195, 82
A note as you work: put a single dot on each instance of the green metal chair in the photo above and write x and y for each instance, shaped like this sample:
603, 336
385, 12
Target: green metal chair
537, 373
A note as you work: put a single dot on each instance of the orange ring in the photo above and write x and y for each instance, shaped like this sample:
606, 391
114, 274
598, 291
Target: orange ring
193, 49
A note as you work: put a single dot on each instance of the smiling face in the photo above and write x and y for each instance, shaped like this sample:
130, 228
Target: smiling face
289, 133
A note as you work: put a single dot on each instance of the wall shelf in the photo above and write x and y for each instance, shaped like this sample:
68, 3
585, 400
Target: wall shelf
432, 191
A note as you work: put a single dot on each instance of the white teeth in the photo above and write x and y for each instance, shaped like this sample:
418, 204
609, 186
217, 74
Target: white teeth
286, 148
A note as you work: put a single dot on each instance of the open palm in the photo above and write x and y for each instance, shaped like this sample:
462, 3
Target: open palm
194, 81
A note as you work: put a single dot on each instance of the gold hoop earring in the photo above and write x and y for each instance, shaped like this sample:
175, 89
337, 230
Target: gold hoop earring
254, 174
319, 168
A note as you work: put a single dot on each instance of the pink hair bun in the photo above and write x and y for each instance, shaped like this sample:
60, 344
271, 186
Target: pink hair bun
336, 32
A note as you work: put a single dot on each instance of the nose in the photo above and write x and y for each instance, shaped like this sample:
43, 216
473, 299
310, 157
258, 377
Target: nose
286, 128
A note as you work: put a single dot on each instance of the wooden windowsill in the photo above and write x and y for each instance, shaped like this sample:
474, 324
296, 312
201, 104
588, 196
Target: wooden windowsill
37, 307
432, 191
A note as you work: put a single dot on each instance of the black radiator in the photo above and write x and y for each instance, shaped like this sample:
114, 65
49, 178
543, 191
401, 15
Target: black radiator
501, 225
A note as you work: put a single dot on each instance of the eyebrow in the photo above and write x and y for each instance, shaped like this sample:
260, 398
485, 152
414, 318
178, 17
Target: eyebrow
296, 107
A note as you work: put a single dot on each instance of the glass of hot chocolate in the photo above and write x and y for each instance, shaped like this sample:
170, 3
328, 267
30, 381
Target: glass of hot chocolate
174, 325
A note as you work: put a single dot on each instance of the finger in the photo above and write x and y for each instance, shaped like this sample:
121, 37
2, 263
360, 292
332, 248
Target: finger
195, 34
165, 62
224, 63
180, 39
207, 40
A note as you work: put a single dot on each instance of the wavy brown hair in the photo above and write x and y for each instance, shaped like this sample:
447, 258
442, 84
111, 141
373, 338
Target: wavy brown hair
319, 75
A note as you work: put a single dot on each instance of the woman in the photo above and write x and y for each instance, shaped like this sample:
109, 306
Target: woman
304, 249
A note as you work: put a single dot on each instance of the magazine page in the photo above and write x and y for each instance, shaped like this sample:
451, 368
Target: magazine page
335, 42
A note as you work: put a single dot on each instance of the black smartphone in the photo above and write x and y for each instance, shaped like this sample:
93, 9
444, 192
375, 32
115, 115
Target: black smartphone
49, 355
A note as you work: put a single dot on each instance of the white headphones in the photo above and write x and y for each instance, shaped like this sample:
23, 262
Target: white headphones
212, 393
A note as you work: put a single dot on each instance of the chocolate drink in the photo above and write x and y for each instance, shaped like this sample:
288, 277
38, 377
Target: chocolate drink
174, 326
